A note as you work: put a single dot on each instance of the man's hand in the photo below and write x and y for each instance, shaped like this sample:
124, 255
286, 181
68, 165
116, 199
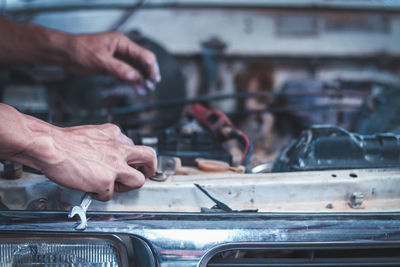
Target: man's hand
113, 53
96, 158
110, 52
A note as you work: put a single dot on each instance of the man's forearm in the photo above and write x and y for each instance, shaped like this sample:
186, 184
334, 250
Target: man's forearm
24, 138
91, 158
30, 44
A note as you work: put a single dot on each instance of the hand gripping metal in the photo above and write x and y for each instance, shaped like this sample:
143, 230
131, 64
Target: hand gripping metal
81, 211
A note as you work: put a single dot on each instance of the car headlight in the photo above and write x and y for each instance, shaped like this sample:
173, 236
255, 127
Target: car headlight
61, 251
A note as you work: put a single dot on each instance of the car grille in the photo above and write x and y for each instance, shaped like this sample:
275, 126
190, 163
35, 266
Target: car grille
360, 255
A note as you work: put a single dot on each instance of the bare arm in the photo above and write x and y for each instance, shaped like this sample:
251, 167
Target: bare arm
92, 158
109, 52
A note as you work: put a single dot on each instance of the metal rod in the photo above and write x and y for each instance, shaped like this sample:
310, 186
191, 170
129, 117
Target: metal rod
201, 4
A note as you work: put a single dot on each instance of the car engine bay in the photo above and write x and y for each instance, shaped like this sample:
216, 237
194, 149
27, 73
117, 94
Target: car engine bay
275, 125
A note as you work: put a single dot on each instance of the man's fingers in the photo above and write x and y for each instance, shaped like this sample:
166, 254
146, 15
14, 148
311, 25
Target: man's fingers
121, 188
127, 73
143, 158
123, 70
122, 138
114, 53
129, 179
104, 193
133, 53
113, 131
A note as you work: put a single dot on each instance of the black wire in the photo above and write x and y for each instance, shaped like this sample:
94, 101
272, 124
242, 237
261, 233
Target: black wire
177, 102
129, 12
237, 114
172, 103
220, 204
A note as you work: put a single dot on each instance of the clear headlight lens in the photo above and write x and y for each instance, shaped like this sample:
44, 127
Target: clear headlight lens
60, 252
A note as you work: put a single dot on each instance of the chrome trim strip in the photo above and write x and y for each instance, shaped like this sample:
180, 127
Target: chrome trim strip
182, 239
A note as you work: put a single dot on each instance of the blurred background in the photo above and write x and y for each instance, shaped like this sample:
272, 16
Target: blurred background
274, 67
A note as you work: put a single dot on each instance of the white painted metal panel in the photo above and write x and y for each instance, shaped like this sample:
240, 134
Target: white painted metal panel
246, 32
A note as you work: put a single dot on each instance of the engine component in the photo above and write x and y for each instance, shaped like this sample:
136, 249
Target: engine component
330, 147
190, 146
165, 168
379, 113
28, 99
11, 170
208, 165
221, 128
338, 101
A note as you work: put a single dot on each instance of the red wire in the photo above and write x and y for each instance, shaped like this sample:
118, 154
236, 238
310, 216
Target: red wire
247, 145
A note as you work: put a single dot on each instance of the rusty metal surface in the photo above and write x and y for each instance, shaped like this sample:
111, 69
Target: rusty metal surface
317, 191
